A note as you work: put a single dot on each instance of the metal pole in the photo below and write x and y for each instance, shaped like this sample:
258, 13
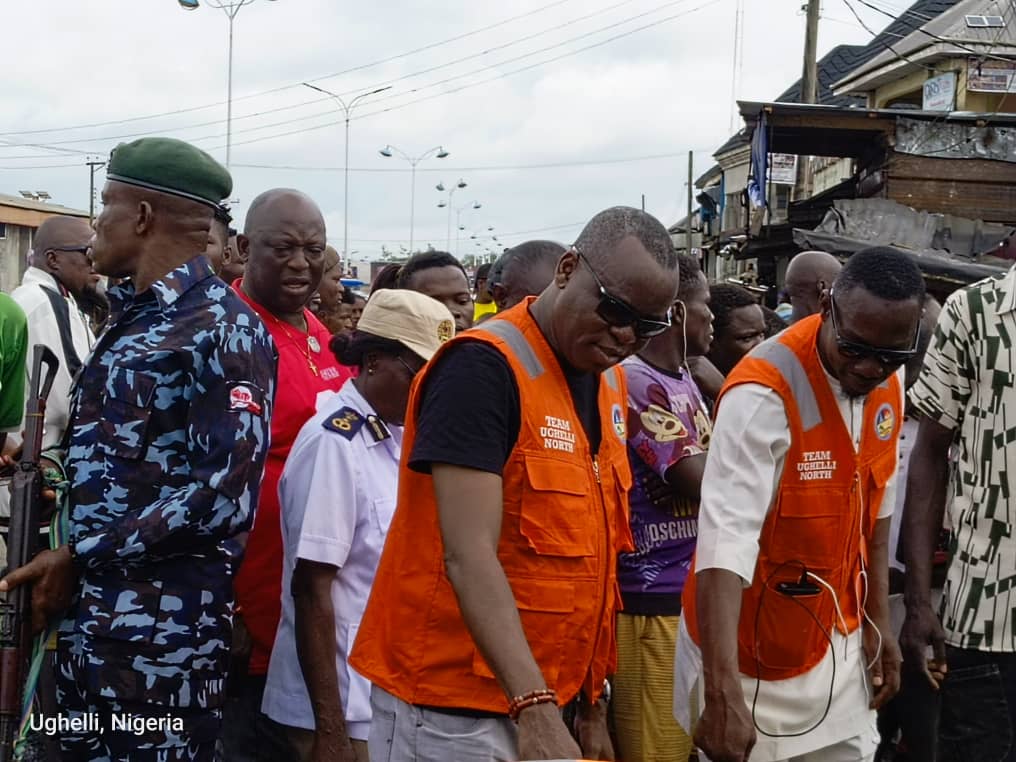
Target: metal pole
450, 220
458, 225
345, 197
229, 90
412, 207
809, 76
691, 158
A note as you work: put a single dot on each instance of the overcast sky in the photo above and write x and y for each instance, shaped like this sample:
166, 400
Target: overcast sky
663, 87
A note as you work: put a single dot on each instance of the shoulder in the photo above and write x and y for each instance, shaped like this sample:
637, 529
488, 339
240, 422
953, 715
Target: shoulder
11, 312
465, 355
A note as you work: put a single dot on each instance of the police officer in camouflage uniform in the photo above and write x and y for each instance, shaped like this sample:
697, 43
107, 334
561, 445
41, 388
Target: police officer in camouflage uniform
169, 430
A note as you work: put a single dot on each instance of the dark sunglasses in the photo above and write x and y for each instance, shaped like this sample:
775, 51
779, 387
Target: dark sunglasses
619, 314
858, 351
79, 249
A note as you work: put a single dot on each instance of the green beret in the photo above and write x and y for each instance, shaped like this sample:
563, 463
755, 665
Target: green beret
170, 166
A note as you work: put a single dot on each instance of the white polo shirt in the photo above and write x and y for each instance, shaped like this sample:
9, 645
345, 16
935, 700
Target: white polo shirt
338, 494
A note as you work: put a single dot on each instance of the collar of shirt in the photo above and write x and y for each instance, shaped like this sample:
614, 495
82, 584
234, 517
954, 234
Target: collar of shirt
1007, 287
35, 276
165, 291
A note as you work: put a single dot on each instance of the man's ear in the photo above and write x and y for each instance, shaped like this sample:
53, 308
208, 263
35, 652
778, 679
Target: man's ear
144, 221
566, 267
52, 261
242, 249
824, 301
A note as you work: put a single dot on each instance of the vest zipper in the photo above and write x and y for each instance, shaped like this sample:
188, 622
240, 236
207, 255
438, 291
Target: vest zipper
596, 469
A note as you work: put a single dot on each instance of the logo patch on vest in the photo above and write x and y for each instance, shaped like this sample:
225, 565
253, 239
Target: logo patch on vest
617, 417
885, 422
557, 434
816, 465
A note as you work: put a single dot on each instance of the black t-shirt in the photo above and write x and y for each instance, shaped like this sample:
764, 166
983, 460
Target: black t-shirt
470, 413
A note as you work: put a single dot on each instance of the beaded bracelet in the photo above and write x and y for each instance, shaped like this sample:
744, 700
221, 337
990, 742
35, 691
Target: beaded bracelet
542, 696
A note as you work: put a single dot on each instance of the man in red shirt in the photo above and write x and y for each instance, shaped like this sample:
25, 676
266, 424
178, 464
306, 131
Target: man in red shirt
284, 246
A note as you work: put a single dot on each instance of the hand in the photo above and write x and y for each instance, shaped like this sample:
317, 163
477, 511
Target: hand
725, 731
660, 493
241, 645
885, 671
53, 577
332, 749
594, 736
543, 735
922, 628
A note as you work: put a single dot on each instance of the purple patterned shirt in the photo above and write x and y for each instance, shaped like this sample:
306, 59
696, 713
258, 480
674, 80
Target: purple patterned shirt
667, 421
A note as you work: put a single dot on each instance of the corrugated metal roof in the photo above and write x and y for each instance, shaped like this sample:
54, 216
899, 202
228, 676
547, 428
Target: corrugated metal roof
39, 206
917, 28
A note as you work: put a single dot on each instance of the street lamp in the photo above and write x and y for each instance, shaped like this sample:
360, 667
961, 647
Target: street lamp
347, 110
230, 8
459, 227
451, 191
388, 152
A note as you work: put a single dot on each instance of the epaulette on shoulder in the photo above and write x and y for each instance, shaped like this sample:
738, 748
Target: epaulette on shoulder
345, 422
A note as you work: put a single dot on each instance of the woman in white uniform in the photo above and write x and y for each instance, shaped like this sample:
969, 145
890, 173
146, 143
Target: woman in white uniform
338, 494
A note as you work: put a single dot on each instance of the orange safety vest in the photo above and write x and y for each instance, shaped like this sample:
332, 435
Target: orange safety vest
823, 514
565, 519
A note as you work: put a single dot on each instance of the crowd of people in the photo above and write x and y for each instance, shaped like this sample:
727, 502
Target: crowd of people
584, 504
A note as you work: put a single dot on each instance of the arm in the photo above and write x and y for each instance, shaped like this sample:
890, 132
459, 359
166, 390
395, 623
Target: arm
880, 645
469, 513
923, 511
725, 731
706, 375
685, 476
316, 648
225, 453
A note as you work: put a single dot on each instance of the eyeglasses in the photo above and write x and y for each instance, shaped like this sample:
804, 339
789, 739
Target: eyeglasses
858, 350
619, 314
79, 249
412, 371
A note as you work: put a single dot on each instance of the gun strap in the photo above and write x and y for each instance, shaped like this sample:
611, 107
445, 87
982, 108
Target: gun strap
63, 322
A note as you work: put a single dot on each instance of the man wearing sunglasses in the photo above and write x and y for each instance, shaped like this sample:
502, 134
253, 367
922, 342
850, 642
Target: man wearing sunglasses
786, 629
60, 276
494, 599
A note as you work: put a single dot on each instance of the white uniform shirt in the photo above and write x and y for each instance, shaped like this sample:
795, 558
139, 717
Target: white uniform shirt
338, 496
43, 329
748, 449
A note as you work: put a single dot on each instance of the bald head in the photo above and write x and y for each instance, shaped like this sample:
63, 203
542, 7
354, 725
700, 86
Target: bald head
283, 245
61, 248
601, 236
808, 275
58, 232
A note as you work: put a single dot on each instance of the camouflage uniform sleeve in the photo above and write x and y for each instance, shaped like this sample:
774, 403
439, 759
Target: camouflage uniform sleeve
227, 437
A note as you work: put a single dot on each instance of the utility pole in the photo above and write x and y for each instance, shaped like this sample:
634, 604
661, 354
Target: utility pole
92, 166
691, 193
809, 86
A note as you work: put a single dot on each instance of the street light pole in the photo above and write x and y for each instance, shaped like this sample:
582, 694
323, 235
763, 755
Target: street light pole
451, 191
458, 221
347, 110
388, 152
230, 8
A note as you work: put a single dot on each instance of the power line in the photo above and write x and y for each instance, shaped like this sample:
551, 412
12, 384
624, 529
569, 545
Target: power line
487, 168
447, 80
484, 81
361, 67
885, 43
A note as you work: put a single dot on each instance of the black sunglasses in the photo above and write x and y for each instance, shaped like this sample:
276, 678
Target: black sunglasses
619, 314
79, 249
858, 351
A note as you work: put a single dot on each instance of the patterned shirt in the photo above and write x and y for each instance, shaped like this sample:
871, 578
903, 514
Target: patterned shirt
169, 431
667, 422
968, 384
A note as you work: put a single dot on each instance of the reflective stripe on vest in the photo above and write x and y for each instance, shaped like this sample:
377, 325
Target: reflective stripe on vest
782, 357
513, 337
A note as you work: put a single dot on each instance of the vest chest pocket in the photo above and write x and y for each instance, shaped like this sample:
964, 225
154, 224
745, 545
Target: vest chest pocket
126, 412
557, 516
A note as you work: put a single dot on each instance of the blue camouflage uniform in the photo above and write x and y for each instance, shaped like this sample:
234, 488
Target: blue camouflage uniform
170, 422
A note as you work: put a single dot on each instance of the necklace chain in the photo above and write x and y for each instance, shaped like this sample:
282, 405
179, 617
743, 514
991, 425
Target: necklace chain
305, 350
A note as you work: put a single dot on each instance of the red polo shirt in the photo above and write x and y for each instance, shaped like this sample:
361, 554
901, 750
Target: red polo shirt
258, 584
